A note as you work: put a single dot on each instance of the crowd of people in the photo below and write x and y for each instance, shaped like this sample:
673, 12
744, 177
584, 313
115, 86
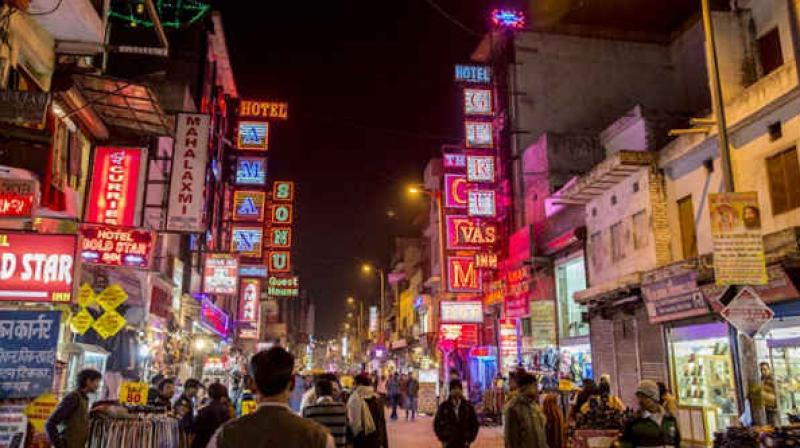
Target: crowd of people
291, 411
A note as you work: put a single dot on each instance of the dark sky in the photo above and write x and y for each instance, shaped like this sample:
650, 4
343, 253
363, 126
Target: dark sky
371, 98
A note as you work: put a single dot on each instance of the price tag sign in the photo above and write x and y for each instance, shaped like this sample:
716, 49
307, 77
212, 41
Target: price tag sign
134, 394
39, 410
81, 322
248, 407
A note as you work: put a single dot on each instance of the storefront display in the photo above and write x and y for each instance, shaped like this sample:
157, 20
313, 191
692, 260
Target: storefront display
779, 348
570, 278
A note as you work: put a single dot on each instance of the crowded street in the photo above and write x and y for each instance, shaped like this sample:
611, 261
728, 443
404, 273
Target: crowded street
399, 224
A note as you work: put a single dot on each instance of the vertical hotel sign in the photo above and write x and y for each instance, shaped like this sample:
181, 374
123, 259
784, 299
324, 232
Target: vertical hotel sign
114, 194
189, 161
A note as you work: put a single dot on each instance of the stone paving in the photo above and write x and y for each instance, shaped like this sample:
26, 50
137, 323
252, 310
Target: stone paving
419, 434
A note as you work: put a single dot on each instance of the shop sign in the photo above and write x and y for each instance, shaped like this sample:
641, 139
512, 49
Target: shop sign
116, 246
509, 344
673, 294
251, 171
177, 282
161, 299
271, 311
114, 192
13, 427
481, 169
248, 205
516, 307
737, 242
249, 301
133, 394
779, 287
467, 312
283, 191
482, 203
282, 214
17, 106
253, 270
486, 260
39, 410
518, 282
280, 237
253, 135
279, 261
214, 319
220, 273
28, 342
747, 312
474, 74
454, 161
469, 233
283, 286
111, 297
455, 191
36, 267
478, 101
373, 319
543, 324
109, 324
81, 322
458, 336
247, 240
190, 157
18, 197
496, 293
264, 109
463, 275
480, 134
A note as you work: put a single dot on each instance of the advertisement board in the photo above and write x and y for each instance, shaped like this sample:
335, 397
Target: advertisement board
478, 101
18, 197
475, 74
672, 294
481, 169
462, 312
482, 203
283, 191
283, 286
247, 241
220, 273
249, 301
738, 246
161, 298
455, 191
465, 233
543, 324
252, 135
213, 318
116, 246
480, 134
251, 171
458, 335
28, 342
373, 319
114, 192
36, 267
248, 205
189, 160
463, 275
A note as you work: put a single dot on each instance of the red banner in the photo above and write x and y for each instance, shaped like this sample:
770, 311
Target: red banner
115, 185
36, 267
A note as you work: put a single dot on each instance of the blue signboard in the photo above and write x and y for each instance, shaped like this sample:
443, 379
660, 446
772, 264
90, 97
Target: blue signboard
28, 342
475, 74
253, 135
251, 171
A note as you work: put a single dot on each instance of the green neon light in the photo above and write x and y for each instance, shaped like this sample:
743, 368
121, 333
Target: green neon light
173, 13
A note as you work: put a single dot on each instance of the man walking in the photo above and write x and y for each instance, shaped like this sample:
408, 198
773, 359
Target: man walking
328, 412
393, 389
412, 392
525, 423
68, 426
211, 417
366, 416
273, 424
653, 425
456, 424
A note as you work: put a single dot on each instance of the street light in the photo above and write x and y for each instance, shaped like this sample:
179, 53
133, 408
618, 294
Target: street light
368, 269
436, 195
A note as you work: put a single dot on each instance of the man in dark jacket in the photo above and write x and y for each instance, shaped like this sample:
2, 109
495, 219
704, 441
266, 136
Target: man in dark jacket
68, 426
456, 424
412, 391
652, 426
165, 392
211, 417
393, 390
184, 405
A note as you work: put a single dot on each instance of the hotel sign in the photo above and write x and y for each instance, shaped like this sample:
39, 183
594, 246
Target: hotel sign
253, 135
116, 246
187, 186
251, 171
264, 110
36, 267
463, 275
114, 192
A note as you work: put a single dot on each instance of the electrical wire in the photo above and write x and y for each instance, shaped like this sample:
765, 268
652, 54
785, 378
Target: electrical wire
44, 13
453, 19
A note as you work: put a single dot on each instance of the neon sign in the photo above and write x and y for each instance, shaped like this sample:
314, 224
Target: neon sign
486, 260
247, 241
220, 273
476, 74
458, 335
463, 275
508, 18
482, 203
17, 197
282, 213
478, 101
253, 270
116, 246
280, 237
249, 298
480, 169
467, 312
453, 226
248, 205
115, 184
36, 267
283, 190
454, 161
251, 171
214, 318
283, 286
279, 261
188, 181
253, 135
480, 134
263, 109
455, 191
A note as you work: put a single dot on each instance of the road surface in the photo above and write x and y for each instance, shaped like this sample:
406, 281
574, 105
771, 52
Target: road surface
419, 434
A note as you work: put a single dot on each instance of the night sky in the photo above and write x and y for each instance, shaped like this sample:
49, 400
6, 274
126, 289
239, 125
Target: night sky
371, 99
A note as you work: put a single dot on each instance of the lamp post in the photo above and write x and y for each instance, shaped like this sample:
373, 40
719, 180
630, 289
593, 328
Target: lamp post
436, 195
367, 268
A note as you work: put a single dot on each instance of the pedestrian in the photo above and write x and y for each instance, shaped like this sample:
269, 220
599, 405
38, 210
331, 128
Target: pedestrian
382, 380
668, 401
525, 423
152, 393
184, 404
555, 428
212, 416
403, 391
652, 425
329, 412
309, 397
589, 390
166, 390
393, 389
412, 392
768, 394
365, 416
456, 423
273, 424
68, 425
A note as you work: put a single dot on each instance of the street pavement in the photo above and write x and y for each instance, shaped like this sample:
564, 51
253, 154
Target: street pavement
419, 434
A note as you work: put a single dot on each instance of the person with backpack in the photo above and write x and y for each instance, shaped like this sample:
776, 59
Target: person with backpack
366, 417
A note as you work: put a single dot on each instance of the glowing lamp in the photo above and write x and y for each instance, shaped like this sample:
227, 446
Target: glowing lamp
508, 18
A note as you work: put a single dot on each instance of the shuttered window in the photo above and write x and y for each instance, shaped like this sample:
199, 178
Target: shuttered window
783, 171
688, 235
769, 51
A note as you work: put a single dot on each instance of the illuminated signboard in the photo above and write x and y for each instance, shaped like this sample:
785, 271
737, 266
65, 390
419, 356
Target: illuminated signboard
188, 181
467, 312
280, 237
17, 197
455, 191
263, 109
279, 261
478, 101
251, 171
476, 74
220, 273
508, 18
464, 233
248, 205
247, 240
116, 246
516, 306
281, 213
283, 286
508, 344
486, 260
480, 134
249, 301
480, 169
454, 161
463, 275
482, 203
115, 185
253, 135
458, 335
283, 191
373, 319
253, 270
214, 318
36, 267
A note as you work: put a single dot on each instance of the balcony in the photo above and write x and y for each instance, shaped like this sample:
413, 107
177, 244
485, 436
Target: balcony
71, 22
761, 94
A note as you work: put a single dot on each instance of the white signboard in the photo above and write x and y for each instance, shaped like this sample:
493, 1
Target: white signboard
482, 203
467, 312
747, 312
188, 174
480, 169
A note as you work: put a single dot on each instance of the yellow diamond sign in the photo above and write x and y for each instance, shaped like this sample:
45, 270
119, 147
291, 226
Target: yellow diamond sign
109, 324
112, 297
85, 296
81, 322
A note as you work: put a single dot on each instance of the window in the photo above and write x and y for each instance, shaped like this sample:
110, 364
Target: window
641, 231
769, 51
783, 171
596, 251
688, 234
618, 238
571, 278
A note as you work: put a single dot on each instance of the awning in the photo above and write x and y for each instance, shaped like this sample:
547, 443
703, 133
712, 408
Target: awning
124, 104
604, 176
